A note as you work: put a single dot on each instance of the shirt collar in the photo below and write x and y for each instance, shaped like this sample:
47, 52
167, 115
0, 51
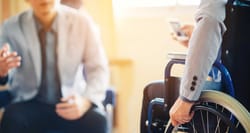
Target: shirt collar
53, 25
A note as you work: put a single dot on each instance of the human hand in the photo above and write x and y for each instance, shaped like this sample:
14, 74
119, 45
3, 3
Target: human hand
180, 112
188, 30
8, 60
73, 107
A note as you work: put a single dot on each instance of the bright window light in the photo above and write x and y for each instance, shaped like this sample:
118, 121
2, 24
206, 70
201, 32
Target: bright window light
188, 2
154, 3
121, 7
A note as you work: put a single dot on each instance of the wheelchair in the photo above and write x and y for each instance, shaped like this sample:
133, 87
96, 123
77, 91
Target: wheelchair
216, 111
109, 104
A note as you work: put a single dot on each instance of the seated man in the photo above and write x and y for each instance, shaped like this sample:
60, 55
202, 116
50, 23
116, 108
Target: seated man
149, 93
43, 52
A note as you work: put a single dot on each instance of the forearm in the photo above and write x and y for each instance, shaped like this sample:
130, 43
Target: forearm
97, 83
203, 50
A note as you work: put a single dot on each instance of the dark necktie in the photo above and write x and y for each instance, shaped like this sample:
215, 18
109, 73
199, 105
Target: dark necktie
50, 86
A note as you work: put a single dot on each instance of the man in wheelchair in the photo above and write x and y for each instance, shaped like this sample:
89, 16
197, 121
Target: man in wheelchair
208, 43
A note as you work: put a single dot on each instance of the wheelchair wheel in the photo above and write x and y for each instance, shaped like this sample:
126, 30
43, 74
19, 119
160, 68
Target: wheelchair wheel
216, 112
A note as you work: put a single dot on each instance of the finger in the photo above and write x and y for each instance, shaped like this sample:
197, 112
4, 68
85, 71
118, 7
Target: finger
174, 122
188, 117
66, 110
13, 64
62, 113
188, 27
9, 63
185, 121
191, 114
13, 59
68, 116
181, 121
185, 28
66, 99
64, 105
66, 113
10, 57
4, 50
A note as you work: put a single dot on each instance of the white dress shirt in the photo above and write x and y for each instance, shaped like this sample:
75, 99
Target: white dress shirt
204, 46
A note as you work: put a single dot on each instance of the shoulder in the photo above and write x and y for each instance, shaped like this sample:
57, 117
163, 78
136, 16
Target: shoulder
13, 22
74, 15
212, 8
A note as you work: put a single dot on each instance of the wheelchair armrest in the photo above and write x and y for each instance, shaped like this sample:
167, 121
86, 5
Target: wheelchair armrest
109, 103
5, 98
110, 98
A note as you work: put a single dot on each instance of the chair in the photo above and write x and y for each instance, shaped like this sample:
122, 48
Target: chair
216, 110
108, 102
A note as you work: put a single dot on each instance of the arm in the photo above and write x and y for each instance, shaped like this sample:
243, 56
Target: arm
203, 51
8, 60
96, 66
96, 75
204, 46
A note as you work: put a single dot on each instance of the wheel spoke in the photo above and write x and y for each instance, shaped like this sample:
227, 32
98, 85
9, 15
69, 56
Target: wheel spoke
217, 112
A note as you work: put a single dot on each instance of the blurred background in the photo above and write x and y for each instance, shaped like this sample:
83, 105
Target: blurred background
136, 37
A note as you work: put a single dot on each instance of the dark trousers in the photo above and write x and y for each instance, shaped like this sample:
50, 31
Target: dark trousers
36, 117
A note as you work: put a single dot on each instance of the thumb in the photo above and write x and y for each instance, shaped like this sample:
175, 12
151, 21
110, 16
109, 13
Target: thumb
191, 114
4, 50
64, 99
174, 122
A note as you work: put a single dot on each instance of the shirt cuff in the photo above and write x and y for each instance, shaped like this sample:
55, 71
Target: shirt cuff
187, 100
4, 80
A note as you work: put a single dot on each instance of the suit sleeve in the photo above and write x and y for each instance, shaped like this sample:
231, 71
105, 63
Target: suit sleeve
204, 46
3, 40
96, 65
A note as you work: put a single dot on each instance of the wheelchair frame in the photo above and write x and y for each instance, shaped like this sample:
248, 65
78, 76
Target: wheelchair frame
240, 113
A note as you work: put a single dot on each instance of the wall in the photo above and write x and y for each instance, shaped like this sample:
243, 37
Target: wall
102, 12
11, 7
143, 35
137, 41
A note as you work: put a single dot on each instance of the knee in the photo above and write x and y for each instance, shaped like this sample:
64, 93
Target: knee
12, 115
98, 120
98, 116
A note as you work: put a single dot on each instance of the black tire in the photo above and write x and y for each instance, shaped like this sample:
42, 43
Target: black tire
217, 112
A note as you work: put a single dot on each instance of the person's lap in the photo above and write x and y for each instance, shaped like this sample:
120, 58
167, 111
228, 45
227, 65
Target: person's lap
33, 116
